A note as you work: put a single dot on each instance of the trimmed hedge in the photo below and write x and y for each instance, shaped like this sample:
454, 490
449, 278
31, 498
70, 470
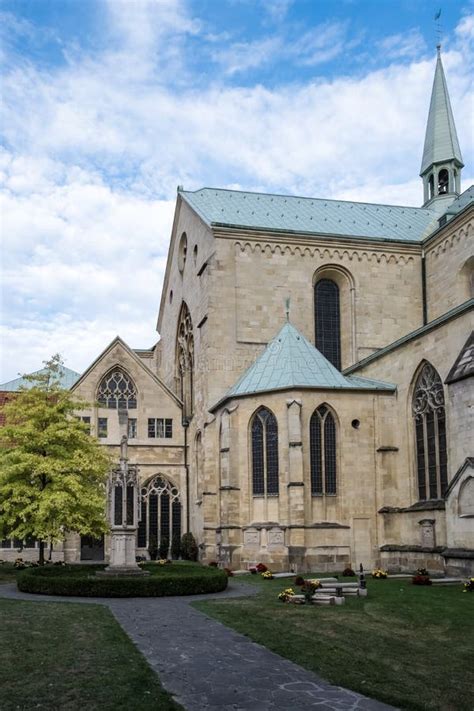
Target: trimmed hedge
81, 581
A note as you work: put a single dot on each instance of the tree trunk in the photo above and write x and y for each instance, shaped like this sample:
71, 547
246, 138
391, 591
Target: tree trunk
41, 553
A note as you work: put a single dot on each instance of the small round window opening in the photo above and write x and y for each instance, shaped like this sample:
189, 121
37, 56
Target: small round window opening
182, 252
355, 424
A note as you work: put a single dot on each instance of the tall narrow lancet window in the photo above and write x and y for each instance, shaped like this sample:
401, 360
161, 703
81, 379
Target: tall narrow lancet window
185, 360
430, 434
322, 445
117, 391
328, 320
264, 453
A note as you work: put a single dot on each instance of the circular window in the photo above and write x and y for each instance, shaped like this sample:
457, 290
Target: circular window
355, 424
182, 251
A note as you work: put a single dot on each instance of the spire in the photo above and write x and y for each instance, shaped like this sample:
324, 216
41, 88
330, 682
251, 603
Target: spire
442, 159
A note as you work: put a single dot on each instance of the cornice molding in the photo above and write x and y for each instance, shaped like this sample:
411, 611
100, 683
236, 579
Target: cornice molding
325, 252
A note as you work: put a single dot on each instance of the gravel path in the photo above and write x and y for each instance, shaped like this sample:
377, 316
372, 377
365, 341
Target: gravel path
209, 667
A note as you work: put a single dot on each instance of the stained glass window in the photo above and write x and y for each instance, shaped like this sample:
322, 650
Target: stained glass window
265, 473
430, 434
117, 391
323, 453
327, 320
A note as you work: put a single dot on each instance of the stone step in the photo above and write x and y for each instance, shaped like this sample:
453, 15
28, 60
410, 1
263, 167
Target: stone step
447, 581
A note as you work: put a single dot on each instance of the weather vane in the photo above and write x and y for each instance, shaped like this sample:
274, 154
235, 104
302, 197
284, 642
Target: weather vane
438, 29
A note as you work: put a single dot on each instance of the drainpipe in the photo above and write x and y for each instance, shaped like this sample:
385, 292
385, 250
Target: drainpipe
423, 288
185, 422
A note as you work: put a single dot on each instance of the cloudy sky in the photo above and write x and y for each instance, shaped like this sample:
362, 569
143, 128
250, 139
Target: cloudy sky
110, 104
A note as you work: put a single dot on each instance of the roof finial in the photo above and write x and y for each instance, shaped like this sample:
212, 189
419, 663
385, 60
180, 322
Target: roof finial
287, 308
438, 32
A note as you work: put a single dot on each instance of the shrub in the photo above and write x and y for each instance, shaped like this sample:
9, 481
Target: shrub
348, 573
267, 575
163, 547
153, 547
78, 581
253, 571
379, 574
189, 549
213, 564
261, 568
299, 580
175, 546
229, 572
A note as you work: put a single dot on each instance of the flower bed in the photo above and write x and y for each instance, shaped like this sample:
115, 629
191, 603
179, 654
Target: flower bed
81, 581
421, 577
469, 586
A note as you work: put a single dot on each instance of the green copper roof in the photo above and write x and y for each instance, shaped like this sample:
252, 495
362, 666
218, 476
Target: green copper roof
290, 362
312, 216
462, 201
441, 140
67, 380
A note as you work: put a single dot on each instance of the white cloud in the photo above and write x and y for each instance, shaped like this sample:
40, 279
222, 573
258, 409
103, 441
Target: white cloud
402, 46
96, 150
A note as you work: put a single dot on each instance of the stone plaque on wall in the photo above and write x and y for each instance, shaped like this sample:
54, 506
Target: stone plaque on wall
251, 538
276, 538
427, 533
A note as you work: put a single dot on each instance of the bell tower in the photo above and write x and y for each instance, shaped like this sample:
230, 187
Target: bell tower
442, 161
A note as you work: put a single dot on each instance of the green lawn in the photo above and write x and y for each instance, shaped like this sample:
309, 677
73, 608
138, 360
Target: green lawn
409, 646
69, 657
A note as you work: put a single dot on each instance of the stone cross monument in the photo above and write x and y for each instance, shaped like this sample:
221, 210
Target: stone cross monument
123, 514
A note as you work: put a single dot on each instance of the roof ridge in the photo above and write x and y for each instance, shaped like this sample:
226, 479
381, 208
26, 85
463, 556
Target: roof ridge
306, 197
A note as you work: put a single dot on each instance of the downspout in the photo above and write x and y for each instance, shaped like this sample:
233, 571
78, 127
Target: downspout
423, 287
186, 467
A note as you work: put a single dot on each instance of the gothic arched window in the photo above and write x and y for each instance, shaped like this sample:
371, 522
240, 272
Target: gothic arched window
185, 359
327, 320
430, 434
117, 391
322, 446
264, 453
160, 514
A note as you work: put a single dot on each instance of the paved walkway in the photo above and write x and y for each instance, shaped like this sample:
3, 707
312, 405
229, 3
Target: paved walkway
209, 667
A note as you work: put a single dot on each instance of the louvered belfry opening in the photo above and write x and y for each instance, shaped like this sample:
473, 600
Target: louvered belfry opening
430, 434
323, 454
160, 513
328, 320
265, 453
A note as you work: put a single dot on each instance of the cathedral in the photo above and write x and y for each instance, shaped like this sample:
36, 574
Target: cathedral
309, 403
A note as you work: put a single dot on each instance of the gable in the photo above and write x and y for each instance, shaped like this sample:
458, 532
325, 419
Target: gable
118, 354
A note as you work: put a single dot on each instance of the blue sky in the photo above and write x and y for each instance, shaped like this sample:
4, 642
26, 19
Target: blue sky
110, 104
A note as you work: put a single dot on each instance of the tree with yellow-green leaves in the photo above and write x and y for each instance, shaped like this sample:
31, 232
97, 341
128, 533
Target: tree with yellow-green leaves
52, 472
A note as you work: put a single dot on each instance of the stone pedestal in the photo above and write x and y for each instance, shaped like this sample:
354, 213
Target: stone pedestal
122, 554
